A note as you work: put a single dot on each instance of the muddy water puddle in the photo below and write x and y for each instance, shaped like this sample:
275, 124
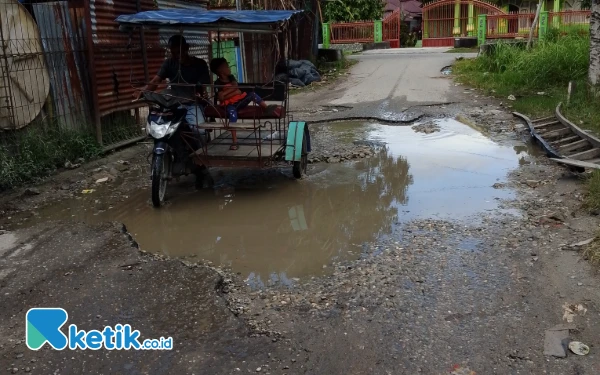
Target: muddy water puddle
274, 229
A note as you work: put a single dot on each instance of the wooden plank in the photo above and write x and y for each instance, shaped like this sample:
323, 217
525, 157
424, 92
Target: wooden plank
574, 146
565, 140
243, 151
576, 163
226, 137
586, 155
239, 125
248, 146
556, 133
577, 130
552, 129
543, 119
546, 124
248, 137
223, 150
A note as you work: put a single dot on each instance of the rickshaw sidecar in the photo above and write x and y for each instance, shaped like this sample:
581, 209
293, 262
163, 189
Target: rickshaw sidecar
257, 139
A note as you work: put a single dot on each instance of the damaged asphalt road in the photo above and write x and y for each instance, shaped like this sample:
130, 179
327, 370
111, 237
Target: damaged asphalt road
469, 293
100, 279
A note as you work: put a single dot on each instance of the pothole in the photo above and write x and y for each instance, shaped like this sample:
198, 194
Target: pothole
273, 229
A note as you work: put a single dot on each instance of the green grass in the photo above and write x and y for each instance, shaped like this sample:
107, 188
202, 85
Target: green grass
34, 153
118, 127
592, 251
592, 203
539, 78
592, 199
463, 50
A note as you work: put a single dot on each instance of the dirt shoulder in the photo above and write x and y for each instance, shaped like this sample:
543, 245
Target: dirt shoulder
99, 277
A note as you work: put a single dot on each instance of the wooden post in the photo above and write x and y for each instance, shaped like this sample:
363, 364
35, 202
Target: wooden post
570, 90
138, 6
320, 12
425, 28
93, 79
535, 19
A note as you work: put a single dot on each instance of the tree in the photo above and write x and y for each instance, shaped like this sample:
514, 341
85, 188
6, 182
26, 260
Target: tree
353, 10
594, 70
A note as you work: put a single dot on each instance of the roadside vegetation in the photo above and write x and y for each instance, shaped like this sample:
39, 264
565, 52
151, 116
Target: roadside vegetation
33, 154
463, 50
538, 79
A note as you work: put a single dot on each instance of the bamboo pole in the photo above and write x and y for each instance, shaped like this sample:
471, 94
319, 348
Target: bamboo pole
320, 13
535, 20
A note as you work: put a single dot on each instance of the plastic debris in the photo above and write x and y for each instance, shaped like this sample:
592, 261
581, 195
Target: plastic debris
511, 97
101, 180
87, 191
579, 348
297, 72
555, 341
571, 310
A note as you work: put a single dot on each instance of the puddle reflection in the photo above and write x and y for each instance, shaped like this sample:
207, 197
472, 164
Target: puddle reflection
273, 229
269, 229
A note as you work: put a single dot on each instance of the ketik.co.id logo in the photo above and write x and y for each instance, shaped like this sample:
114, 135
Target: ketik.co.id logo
43, 326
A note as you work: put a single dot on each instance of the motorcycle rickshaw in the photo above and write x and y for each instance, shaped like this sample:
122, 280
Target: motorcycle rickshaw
257, 139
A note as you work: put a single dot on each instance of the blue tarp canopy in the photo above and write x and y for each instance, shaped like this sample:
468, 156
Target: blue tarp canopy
209, 19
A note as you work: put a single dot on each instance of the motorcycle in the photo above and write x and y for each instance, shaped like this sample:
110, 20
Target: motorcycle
171, 155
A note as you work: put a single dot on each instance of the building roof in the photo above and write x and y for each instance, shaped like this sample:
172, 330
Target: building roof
409, 7
200, 17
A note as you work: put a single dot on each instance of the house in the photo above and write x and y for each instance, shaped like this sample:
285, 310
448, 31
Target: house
445, 20
410, 10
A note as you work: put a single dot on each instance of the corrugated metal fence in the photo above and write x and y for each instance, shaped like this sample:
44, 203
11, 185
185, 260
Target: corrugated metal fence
117, 63
66, 65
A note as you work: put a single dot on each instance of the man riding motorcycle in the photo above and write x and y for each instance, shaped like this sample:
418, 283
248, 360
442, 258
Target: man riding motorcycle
182, 68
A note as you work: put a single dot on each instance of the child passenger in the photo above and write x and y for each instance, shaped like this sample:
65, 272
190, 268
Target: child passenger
234, 99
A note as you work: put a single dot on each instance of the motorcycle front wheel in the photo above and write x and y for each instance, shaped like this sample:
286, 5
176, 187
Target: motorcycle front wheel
161, 165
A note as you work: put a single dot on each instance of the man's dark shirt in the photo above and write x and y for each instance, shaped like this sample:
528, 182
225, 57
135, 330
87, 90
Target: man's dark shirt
196, 71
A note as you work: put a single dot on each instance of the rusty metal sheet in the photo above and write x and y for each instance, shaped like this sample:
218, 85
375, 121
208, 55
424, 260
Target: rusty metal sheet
119, 57
64, 53
198, 40
180, 4
113, 60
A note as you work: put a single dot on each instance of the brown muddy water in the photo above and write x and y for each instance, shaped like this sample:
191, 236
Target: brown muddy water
274, 229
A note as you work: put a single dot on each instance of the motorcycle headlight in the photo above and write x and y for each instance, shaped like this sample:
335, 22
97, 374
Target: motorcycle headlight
159, 131
172, 128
